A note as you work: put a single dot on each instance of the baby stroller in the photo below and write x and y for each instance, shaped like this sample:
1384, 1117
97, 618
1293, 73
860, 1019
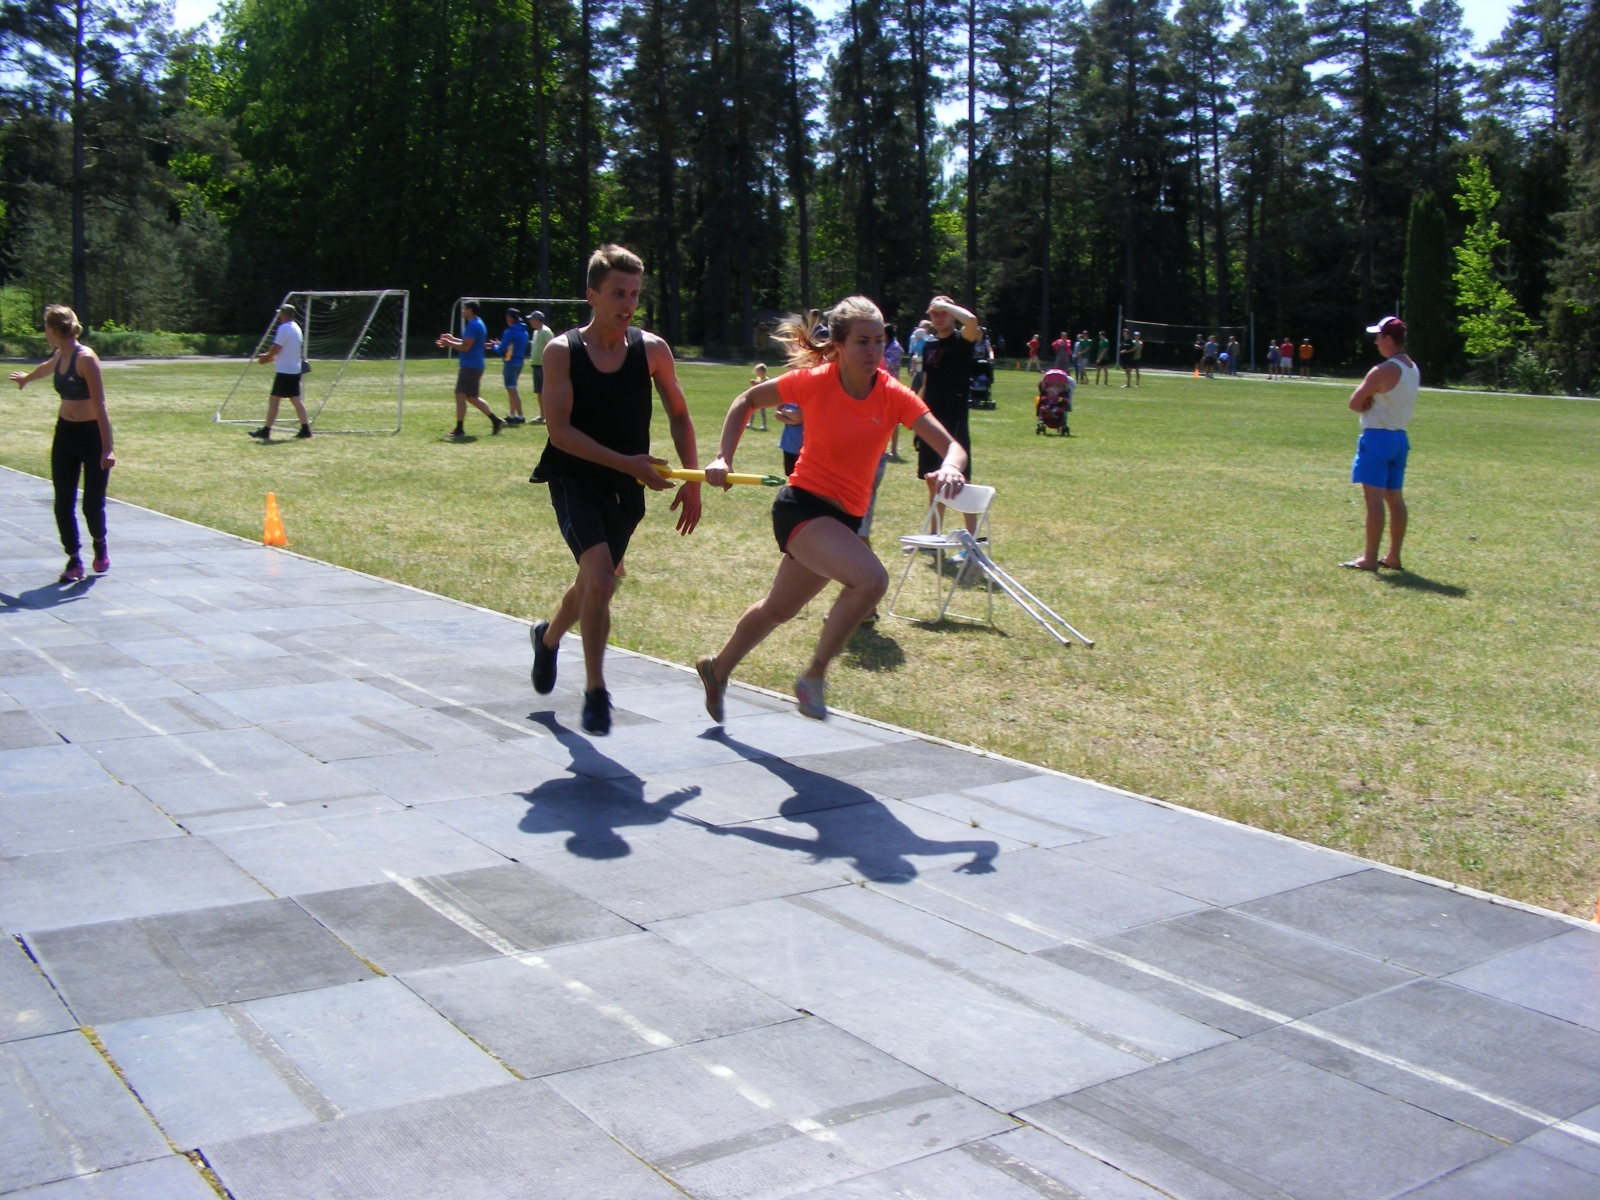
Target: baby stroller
979, 395
1055, 402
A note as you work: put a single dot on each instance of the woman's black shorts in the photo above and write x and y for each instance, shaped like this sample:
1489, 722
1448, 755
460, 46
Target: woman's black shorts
795, 506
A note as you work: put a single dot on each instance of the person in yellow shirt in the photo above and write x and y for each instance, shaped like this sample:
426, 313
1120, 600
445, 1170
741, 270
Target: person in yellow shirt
1305, 357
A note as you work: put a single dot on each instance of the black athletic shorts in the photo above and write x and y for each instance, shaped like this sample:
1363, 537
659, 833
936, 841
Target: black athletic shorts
285, 385
468, 380
930, 460
538, 379
795, 506
590, 512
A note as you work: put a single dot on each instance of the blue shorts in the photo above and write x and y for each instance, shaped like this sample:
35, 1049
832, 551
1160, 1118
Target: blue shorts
1381, 459
510, 373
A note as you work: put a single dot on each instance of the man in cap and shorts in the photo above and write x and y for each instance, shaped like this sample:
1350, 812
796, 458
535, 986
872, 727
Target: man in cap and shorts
469, 375
539, 336
1386, 400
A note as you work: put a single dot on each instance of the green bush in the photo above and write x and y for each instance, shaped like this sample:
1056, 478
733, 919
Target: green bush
1530, 372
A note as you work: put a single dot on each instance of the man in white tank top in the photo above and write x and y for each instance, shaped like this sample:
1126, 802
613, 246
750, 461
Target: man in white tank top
1386, 399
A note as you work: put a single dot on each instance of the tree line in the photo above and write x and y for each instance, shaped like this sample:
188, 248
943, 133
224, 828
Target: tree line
1192, 162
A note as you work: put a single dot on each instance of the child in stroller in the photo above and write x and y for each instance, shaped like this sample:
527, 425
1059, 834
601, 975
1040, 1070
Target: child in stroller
1055, 402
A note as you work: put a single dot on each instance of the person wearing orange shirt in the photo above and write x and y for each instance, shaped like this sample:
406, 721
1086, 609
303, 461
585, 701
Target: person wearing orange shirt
850, 406
1305, 358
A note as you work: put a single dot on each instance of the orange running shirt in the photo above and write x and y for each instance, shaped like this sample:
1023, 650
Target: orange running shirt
845, 437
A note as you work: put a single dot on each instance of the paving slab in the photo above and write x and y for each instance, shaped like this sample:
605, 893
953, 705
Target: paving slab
64, 1112
1559, 976
49, 768
407, 928
515, 1142
169, 1178
152, 965
575, 1006
1520, 1172
29, 1006
912, 768
775, 1111
103, 816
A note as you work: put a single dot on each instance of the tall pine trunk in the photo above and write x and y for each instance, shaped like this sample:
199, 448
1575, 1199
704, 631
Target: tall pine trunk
798, 162
972, 155
666, 187
541, 133
80, 257
585, 86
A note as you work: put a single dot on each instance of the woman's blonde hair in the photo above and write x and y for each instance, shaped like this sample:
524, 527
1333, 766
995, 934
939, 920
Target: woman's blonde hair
63, 320
806, 349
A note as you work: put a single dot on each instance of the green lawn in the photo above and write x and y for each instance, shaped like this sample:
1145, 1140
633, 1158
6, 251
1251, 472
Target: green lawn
1444, 720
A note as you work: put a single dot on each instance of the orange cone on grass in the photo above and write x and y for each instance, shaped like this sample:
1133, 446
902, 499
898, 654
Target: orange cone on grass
272, 533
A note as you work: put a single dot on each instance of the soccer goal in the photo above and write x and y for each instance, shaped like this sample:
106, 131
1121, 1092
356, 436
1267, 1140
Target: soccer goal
560, 315
1169, 345
355, 353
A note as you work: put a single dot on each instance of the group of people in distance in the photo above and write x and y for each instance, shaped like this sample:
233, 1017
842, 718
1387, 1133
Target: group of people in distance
1210, 356
598, 405
521, 342
1281, 354
1072, 356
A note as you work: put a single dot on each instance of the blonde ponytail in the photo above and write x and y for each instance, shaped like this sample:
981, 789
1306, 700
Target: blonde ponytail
806, 350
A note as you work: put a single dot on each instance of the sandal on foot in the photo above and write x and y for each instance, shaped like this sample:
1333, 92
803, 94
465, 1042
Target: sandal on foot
707, 668
1358, 564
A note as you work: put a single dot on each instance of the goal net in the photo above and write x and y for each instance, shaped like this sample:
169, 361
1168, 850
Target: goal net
1170, 345
559, 315
355, 351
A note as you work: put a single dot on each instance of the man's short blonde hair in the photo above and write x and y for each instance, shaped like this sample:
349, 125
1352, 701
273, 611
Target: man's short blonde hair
612, 257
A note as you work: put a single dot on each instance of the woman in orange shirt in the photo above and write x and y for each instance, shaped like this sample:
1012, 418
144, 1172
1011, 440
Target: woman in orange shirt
850, 406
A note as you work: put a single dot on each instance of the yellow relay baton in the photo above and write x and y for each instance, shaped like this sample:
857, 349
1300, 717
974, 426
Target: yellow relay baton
688, 476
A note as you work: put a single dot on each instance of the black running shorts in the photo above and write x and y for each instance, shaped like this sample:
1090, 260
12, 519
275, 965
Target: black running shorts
794, 507
468, 380
590, 513
285, 385
930, 460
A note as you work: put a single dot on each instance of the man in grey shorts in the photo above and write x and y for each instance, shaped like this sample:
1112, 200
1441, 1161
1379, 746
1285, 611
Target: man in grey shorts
474, 336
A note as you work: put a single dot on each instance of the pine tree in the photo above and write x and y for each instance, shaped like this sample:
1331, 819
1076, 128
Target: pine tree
1574, 305
1490, 321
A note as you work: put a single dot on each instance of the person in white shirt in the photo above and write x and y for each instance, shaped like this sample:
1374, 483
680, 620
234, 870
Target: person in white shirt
1386, 400
286, 355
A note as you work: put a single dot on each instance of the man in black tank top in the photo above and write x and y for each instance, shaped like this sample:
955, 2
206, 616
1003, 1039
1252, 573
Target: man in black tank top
597, 406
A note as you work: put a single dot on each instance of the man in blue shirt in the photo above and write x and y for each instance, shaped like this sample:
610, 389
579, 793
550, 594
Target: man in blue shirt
470, 374
512, 347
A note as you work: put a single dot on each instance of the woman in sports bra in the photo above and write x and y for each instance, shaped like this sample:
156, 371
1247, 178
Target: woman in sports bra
850, 405
83, 438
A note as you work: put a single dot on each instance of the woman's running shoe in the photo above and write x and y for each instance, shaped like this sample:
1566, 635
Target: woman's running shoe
809, 693
714, 690
102, 559
73, 572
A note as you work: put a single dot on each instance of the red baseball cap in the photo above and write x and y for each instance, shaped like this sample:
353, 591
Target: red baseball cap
1393, 326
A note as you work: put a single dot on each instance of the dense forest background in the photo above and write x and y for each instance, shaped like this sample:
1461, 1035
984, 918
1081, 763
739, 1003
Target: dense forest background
1192, 162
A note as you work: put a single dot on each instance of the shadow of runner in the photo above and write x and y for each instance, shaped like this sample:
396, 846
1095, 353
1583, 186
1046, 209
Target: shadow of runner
595, 803
49, 596
1411, 581
865, 833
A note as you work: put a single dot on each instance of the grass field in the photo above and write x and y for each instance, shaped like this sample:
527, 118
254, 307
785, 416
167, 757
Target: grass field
1443, 720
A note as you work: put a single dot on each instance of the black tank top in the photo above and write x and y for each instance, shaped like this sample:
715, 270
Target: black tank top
613, 409
71, 386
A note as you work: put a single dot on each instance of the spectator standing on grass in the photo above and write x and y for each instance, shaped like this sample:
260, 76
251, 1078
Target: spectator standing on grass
1233, 355
1125, 360
539, 336
1000, 345
1210, 357
469, 375
919, 338
892, 355
1102, 359
1062, 347
1286, 357
1138, 356
1305, 357
759, 377
512, 347
1033, 353
1386, 400
1080, 355
1272, 359
287, 356
947, 359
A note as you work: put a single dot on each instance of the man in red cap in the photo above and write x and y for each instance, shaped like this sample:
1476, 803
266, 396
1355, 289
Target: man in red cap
1386, 399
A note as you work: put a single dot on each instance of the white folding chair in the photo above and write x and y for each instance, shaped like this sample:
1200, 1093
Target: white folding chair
975, 556
974, 498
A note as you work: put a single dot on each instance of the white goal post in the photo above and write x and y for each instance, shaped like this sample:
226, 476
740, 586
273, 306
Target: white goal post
553, 307
355, 362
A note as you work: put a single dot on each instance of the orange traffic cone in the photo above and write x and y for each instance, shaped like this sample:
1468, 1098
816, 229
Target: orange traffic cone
272, 533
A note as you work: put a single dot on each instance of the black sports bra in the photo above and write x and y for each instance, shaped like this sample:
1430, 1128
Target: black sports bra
71, 386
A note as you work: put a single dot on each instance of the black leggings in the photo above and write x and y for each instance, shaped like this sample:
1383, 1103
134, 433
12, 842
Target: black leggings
77, 447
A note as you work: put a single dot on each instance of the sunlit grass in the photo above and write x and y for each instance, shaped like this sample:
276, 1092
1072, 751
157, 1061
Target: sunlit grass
1445, 720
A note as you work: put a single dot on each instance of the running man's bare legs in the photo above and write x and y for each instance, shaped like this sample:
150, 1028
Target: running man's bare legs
819, 551
462, 400
1381, 502
587, 603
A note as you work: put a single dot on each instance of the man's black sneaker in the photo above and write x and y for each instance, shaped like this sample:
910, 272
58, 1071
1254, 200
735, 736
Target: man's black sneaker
597, 711
263, 433
513, 419
305, 432
498, 424
544, 660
